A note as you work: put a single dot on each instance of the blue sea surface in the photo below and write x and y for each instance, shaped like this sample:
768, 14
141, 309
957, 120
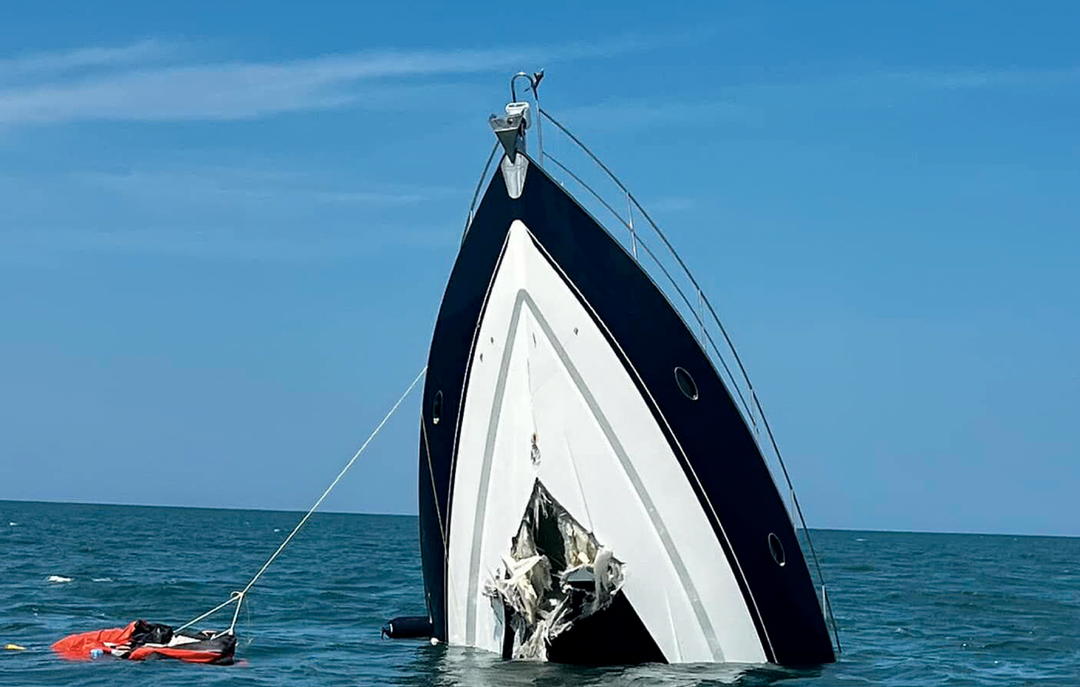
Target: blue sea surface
913, 609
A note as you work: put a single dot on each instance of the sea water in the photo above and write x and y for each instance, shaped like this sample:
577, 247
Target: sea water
913, 609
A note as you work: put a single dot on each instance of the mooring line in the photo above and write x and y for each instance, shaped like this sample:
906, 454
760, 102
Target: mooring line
238, 597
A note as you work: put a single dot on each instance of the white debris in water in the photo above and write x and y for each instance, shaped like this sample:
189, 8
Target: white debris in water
103, 579
13, 524
57, 579
276, 529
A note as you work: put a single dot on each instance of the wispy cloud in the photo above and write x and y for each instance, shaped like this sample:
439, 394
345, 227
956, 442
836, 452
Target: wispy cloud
751, 103
180, 90
66, 61
218, 211
35, 247
237, 186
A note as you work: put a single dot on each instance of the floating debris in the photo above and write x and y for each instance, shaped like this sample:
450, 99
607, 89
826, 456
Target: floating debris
57, 579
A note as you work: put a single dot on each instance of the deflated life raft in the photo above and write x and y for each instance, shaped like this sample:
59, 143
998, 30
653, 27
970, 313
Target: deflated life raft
141, 640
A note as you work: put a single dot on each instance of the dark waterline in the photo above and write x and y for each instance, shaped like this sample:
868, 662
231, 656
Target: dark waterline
913, 609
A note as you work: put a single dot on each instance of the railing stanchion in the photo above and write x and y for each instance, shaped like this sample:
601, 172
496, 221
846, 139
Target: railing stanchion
753, 415
701, 315
539, 120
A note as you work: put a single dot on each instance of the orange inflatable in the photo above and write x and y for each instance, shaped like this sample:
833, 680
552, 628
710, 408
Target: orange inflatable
140, 640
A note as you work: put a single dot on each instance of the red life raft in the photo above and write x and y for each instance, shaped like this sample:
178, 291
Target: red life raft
141, 640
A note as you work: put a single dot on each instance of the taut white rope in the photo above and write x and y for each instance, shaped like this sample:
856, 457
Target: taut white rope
238, 597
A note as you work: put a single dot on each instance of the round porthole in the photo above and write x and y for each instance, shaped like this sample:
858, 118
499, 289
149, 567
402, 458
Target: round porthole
686, 383
776, 549
436, 408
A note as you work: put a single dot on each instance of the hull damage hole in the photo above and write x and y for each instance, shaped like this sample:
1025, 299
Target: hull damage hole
777, 550
686, 383
555, 575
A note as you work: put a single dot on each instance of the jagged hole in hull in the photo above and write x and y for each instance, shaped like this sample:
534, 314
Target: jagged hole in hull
558, 592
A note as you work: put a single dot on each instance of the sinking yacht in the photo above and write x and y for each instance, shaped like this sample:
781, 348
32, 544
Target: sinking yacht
594, 482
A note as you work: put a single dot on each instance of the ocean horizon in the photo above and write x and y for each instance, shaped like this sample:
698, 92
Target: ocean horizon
912, 608
330, 511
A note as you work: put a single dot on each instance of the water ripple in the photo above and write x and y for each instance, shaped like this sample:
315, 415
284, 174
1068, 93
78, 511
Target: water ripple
914, 609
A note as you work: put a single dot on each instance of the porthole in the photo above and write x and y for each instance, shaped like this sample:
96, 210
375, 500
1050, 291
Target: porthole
777, 550
436, 408
686, 383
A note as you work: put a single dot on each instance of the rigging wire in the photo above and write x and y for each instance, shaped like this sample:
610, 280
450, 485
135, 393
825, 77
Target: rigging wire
238, 597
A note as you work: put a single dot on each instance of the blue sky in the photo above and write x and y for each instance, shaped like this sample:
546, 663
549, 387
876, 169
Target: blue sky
225, 229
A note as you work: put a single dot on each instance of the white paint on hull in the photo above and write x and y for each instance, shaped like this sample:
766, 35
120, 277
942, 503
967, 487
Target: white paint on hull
542, 367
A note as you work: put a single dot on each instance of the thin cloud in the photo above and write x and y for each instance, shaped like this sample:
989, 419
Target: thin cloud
750, 103
236, 186
245, 90
216, 212
34, 247
38, 64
